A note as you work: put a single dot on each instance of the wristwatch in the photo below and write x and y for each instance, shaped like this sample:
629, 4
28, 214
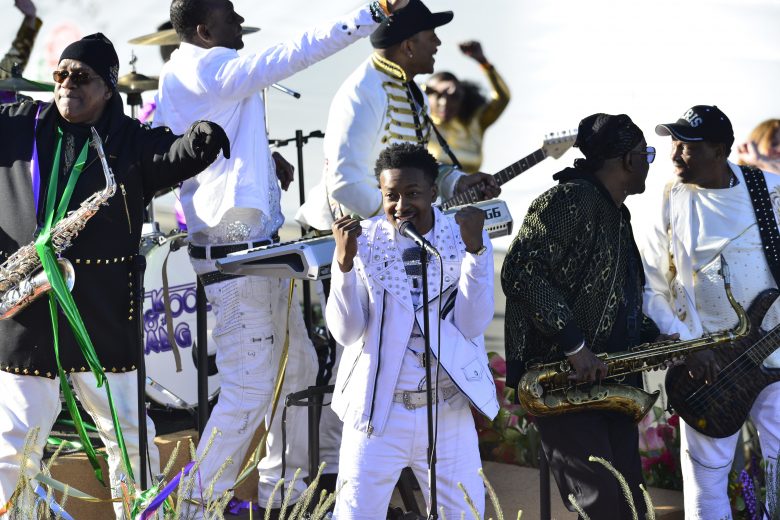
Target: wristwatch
480, 251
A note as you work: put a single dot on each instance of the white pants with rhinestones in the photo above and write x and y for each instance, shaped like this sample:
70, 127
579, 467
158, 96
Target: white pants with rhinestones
29, 401
251, 318
706, 461
369, 467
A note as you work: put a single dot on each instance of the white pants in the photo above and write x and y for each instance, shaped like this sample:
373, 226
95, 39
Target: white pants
251, 316
31, 401
369, 467
706, 461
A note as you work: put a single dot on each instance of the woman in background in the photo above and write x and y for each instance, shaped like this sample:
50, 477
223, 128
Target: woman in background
461, 113
762, 148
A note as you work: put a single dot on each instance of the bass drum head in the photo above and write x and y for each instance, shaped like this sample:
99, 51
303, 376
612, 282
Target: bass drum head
164, 385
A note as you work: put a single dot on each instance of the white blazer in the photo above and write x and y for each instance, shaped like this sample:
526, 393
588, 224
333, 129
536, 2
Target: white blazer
370, 311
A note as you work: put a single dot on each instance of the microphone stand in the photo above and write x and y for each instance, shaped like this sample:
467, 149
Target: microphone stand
433, 514
140, 267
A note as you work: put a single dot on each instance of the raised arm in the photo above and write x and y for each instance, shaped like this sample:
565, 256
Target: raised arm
499, 92
474, 303
168, 159
21, 47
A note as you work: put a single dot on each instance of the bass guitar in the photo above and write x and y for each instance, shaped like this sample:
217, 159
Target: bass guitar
719, 409
554, 145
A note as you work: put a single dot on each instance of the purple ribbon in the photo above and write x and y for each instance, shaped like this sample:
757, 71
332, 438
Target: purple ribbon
235, 506
35, 171
155, 504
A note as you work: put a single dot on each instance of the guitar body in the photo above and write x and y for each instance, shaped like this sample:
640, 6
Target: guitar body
720, 409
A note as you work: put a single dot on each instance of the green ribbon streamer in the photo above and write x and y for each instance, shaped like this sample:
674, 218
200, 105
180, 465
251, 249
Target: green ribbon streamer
61, 295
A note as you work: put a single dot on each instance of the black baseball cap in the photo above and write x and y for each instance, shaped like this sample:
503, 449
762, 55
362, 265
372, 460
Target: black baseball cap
700, 123
407, 22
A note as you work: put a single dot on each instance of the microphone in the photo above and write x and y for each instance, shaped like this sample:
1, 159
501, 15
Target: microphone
407, 229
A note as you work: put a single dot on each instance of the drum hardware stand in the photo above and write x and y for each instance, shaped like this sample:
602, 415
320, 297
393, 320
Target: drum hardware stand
203, 356
544, 486
133, 98
301, 140
139, 263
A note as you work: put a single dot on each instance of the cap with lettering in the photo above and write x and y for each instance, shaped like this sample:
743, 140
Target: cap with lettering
700, 123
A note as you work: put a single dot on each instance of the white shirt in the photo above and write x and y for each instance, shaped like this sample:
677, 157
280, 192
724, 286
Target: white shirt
219, 85
707, 223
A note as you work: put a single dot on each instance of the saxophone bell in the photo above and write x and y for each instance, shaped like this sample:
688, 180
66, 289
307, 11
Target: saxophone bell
545, 389
22, 279
29, 289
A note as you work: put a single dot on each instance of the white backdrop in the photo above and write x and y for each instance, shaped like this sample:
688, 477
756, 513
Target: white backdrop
563, 60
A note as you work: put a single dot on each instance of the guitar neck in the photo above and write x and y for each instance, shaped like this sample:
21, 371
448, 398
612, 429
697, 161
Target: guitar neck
764, 346
473, 195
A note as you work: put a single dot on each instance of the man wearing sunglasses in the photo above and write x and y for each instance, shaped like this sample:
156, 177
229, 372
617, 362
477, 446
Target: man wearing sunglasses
713, 208
47, 169
573, 283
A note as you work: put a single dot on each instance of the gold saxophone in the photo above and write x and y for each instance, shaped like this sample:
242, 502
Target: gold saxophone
22, 279
545, 389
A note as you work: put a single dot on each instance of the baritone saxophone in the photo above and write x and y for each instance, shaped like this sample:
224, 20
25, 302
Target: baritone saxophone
546, 390
22, 279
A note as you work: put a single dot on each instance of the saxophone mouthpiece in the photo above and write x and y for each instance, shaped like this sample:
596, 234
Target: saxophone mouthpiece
97, 142
725, 272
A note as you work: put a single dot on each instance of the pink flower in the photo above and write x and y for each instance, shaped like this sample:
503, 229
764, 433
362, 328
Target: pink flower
666, 432
674, 421
651, 440
667, 460
646, 422
500, 386
497, 365
648, 463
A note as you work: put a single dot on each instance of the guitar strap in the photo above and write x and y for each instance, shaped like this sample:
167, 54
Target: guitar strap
765, 218
417, 94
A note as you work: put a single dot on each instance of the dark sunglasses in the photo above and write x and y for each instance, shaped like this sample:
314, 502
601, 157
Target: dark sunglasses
649, 154
78, 77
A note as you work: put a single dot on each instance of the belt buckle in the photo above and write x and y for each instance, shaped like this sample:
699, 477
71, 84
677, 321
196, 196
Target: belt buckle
407, 398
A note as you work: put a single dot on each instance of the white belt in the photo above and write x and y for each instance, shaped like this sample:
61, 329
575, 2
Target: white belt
413, 400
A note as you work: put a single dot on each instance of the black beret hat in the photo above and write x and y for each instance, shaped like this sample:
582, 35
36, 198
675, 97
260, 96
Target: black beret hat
407, 22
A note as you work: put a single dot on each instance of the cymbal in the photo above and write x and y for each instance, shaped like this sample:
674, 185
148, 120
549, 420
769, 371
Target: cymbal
134, 83
19, 84
169, 37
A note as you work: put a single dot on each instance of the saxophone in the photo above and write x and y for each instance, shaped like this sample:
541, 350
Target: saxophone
22, 279
545, 389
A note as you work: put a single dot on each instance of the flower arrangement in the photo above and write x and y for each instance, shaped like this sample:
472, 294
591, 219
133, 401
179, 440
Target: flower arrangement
753, 491
511, 437
659, 449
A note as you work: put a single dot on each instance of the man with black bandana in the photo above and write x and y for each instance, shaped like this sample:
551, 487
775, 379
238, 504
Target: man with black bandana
98, 342
573, 282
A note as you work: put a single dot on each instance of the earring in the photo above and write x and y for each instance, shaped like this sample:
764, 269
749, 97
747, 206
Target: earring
411, 55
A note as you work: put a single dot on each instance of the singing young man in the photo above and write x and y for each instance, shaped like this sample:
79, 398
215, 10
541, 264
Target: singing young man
376, 310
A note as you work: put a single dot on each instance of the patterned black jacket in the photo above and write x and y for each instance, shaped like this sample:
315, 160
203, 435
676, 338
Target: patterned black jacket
144, 161
565, 273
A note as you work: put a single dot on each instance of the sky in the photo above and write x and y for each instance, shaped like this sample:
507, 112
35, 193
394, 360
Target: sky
562, 60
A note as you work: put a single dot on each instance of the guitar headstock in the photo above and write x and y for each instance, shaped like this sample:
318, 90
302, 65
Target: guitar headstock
557, 143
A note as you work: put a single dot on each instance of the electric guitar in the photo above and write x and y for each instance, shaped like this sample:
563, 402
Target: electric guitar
719, 409
555, 145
